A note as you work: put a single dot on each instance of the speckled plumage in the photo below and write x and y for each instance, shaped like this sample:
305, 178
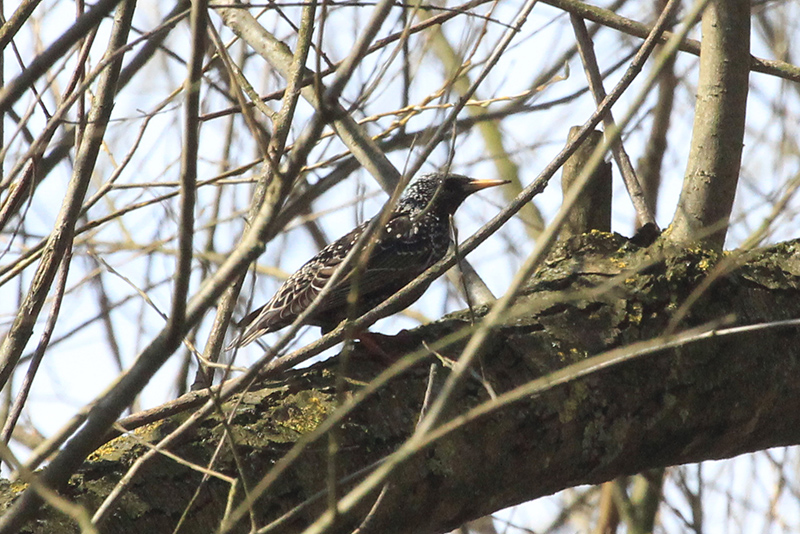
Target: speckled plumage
417, 235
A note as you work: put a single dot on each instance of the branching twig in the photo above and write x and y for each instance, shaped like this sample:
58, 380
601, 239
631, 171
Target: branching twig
36, 359
17, 87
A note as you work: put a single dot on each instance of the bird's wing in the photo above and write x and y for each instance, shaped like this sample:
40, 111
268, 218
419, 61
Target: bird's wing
397, 258
298, 291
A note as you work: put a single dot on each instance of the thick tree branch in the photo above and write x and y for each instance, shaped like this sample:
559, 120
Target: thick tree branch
714, 397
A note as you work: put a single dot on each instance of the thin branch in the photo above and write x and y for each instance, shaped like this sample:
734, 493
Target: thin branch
38, 355
191, 141
780, 69
650, 163
11, 26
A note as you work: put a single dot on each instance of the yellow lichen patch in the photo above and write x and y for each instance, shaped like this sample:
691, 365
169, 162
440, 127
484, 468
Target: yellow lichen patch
122, 445
152, 431
704, 264
599, 233
114, 448
17, 486
619, 262
309, 409
635, 313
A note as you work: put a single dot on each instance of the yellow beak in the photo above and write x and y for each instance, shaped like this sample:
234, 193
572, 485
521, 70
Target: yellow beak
477, 185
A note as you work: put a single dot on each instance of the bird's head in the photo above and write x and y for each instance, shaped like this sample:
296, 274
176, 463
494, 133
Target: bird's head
443, 193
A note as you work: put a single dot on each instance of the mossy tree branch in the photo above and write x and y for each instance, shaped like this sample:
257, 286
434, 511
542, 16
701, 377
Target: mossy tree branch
715, 398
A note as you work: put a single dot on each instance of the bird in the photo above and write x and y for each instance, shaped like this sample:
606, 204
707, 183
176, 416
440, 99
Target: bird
416, 236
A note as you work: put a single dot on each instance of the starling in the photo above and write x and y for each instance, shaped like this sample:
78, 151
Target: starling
416, 236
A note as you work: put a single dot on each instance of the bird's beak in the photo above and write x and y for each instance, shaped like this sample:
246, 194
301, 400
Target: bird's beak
477, 185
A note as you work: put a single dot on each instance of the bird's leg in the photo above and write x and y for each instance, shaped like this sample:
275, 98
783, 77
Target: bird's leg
462, 277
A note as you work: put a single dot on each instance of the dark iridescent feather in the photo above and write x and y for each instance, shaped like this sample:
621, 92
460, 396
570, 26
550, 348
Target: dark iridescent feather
416, 236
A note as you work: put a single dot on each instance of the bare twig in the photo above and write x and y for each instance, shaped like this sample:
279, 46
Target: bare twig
10, 28
36, 359
191, 140
781, 69
650, 163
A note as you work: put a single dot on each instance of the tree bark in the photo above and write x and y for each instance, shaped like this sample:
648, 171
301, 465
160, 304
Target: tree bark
715, 398
712, 172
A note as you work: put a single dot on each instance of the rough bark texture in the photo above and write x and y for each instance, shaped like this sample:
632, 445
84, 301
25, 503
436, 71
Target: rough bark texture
712, 399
